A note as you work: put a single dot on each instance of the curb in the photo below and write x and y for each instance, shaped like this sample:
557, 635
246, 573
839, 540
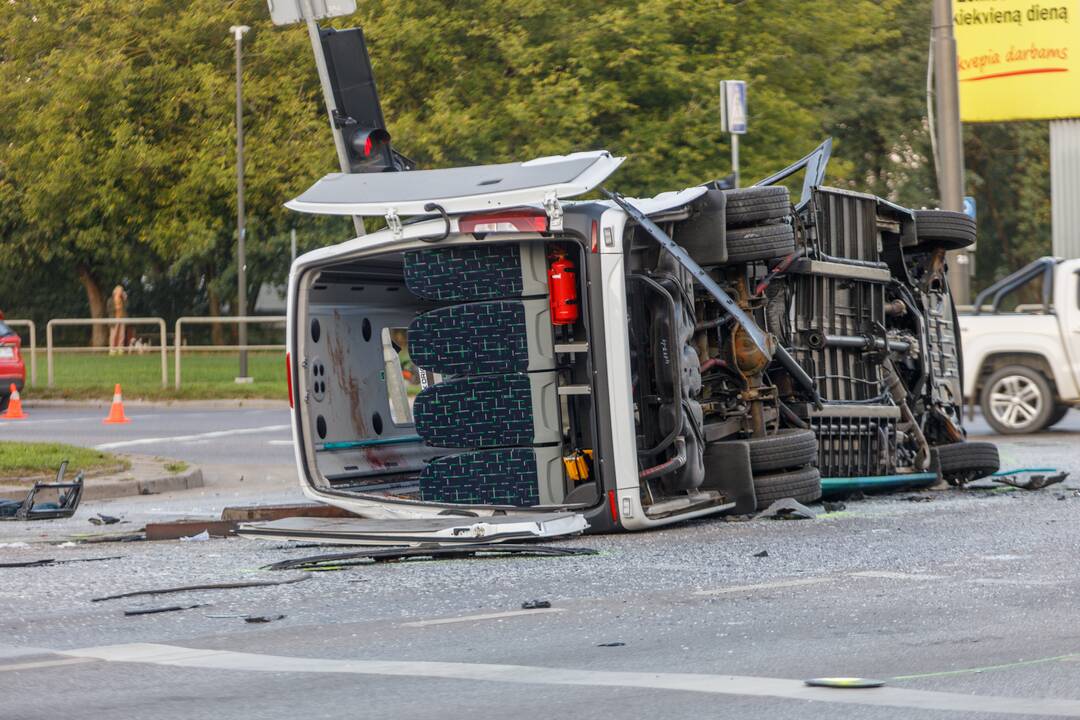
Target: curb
249, 403
188, 480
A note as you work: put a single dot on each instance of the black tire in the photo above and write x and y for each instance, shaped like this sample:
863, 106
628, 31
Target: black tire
786, 449
4, 400
1037, 409
755, 205
1060, 411
943, 229
761, 242
959, 463
802, 485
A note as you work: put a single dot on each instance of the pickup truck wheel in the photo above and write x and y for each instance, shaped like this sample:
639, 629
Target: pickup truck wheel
788, 448
755, 205
4, 400
1017, 400
761, 242
943, 229
963, 462
802, 485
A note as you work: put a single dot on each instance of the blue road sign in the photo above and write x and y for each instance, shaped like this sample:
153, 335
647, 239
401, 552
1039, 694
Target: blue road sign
969, 206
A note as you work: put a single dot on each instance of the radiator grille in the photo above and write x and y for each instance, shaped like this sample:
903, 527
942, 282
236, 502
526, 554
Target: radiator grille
855, 447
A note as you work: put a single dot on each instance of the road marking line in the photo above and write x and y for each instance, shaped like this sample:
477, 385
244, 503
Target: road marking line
175, 656
188, 438
797, 582
74, 419
279, 442
47, 663
1073, 657
889, 575
800, 582
487, 616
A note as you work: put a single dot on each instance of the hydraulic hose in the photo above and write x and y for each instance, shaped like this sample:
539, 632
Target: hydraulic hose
668, 466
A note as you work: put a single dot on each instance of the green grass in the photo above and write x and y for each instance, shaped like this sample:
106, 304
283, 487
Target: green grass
204, 375
176, 467
22, 459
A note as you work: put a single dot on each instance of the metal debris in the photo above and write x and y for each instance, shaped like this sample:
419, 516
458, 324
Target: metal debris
373, 555
262, 618
210, 586
52, 561
69, 494
535, 604
155, 611
103, 519
1033, 482
786, 509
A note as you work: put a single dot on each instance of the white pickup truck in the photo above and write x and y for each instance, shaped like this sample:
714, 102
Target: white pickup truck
1021, 347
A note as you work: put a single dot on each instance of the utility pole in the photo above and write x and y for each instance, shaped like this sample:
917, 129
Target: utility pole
950, 160
241, 231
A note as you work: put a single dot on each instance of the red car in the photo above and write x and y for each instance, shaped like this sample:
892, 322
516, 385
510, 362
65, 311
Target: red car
12, 370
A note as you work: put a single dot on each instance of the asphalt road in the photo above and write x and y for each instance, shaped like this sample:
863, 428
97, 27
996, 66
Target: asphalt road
964, 602
196, 434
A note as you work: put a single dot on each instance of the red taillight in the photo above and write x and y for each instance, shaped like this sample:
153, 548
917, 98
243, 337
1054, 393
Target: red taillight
288, 376
594, 240
504, 221
613, 504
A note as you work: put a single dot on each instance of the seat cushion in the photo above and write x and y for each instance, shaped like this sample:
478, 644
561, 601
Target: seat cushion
507, 476
475, 272
489, 411
484, 337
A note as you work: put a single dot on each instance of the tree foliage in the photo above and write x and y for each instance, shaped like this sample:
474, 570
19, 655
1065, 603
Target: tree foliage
117, 160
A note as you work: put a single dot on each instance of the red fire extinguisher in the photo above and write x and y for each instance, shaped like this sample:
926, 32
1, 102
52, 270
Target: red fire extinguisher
562, 291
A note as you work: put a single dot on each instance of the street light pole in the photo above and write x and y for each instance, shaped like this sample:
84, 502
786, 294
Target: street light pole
241, 231
950, 168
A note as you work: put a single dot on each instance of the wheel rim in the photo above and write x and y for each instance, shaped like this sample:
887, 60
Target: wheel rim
1016, 401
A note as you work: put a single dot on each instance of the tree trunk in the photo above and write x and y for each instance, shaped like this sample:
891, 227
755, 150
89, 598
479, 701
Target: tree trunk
96, 300
217, 332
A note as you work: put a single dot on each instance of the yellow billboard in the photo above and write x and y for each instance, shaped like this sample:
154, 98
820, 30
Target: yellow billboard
1018, 59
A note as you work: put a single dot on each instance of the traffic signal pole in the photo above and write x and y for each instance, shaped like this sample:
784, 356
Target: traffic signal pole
950, 160
328, 97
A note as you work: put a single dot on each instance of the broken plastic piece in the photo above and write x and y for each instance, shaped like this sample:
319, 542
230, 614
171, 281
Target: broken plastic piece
1033, 482
786, 509
535, 604
262, 618
844, 682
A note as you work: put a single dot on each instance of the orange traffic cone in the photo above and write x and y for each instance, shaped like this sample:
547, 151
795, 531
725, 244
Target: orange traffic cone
116, 412
14, 409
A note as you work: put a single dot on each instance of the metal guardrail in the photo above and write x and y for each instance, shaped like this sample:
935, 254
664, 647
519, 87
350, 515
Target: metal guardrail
33, 345
160, 322
178, 336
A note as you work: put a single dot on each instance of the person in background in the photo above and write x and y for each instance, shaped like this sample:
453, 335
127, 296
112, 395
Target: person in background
116, 332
